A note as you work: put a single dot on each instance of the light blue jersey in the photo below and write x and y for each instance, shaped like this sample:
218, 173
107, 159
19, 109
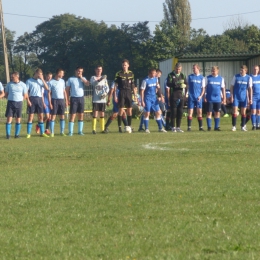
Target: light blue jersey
57, 88
76, 87
16, 91
34, 87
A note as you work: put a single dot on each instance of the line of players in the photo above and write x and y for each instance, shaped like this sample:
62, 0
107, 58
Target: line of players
50, 97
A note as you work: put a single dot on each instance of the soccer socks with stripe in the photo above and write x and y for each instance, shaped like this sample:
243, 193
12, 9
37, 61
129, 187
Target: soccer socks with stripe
52, 123
217, 121
94, 123
119, 120
253, 119
189, 119
209, 120
17, 129
8, 127
29, 128
109, 121
146, 123
200, 122
80, 126
243, 119
102, 123
234, 119
62, 126
159, 123
71, 127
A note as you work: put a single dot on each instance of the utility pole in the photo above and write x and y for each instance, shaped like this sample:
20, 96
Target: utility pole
4, 43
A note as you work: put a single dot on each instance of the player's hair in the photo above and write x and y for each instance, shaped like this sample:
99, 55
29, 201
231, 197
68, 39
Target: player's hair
59, 70
256, 66
16, 73
244, 67
178, 65
215, 68
196, 65
150, 70
125, 60
98, 66
48, 73
158, 70
79, 68
38, 70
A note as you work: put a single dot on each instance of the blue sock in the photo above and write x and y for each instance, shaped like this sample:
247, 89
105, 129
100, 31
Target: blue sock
257, 120
80, 126
41, 125
17, 129
124, 121
253, 119
146, 123
62, 125
8, 127
71, 127
52, 123
29, 128
141, 122
159, 123
163, 122
217, 121
209, 122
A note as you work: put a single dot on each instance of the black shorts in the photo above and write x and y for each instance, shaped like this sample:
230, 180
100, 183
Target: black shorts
212, 106
58, 107
77, 105
36, 107
125, 98
100, 107
177, 103
14, 109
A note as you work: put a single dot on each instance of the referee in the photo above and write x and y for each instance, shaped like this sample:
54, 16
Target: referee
124, 82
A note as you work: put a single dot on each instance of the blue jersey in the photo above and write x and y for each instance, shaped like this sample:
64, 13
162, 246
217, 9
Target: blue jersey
76, 87
16, 91
196, 83
241, 85
57, 88
34, 87
214, 86
256, 85
149, 85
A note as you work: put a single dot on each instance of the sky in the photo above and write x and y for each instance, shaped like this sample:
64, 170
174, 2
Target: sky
16, 12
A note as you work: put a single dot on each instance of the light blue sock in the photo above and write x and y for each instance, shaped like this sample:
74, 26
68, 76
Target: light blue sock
80, 126
52, 123
8, 127
29, 128
62, 125
159, 123
41, 125
71, 127
17, 129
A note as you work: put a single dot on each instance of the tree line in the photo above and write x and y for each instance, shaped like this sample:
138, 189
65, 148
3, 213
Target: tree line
68, 40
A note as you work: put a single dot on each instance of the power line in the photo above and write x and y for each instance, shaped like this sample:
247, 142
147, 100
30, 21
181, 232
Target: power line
201, 18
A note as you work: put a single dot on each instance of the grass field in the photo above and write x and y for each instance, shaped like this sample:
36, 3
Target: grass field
131, 196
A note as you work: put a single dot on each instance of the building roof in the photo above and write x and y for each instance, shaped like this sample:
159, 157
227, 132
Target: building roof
197, 57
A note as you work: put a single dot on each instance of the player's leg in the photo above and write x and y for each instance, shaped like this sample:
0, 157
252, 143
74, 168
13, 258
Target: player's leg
52, 122
209, 107
179, 115
173, 106
46, 119
73, 112
253, 114
80, 111
234, 115
217, 109
18, 114
243, 118
190, 113
128, 105
102, 108
199, 114
156, 109
94, 119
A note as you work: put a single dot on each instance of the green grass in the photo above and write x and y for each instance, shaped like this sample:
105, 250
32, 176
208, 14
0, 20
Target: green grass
131, 196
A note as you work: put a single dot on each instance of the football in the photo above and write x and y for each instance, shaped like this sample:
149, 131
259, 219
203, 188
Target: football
128, 129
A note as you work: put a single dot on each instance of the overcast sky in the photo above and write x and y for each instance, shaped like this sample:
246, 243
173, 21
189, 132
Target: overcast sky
16, 12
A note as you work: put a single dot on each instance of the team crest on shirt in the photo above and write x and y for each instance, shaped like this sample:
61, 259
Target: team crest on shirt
173, 77
130, 81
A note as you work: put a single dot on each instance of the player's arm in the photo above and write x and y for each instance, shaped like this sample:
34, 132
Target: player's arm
43, 81
168, 90
115, 90
143, 86
2, 94
65, 97
223, 89
85, 81
250, 91
206, 88
68, 93
232, 89
202, 89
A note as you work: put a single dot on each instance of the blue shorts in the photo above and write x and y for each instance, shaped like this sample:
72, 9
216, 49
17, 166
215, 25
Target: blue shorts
192, 103
115, 107
151, 106
239, 103
36, 107
256, 103
47, 110
14, 109
77, 105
